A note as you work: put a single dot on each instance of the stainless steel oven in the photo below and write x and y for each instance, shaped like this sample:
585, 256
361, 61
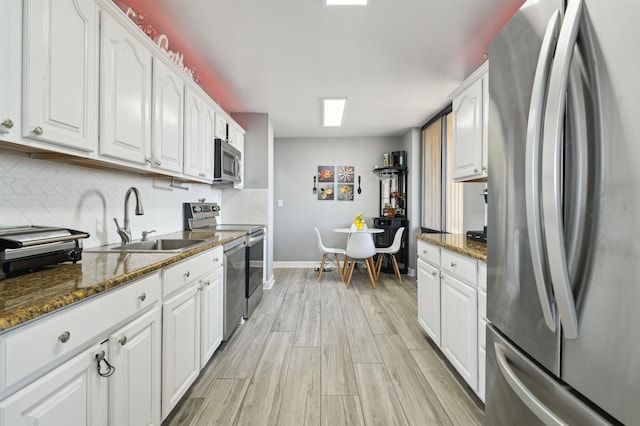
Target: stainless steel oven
255, 268
235, 269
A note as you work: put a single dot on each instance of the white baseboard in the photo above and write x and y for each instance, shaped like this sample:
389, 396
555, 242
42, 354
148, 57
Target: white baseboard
297, 264
266, 285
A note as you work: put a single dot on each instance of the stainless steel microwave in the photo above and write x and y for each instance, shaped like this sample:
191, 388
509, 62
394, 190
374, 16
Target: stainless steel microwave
226, 162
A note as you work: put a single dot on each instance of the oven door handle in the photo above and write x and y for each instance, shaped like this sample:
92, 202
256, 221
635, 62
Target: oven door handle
253, 240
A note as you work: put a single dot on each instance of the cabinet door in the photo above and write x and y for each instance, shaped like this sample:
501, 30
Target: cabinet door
208, 136
61, 72
180, 346
168, 107
134, 392
11, 51
125, 95
485, 126
221, 126
193, 134
429, 300
468, 132
212, 315
71, 395
459, 328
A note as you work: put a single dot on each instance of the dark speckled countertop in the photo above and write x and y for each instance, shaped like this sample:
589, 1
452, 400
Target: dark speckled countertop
458, 243
27, 297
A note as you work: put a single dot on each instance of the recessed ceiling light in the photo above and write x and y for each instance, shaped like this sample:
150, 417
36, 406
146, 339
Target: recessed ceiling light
332, 111
346, 2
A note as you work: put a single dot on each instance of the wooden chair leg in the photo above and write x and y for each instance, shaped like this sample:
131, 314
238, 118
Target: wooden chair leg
324, 257
371, 271
345, 264
395, 267
339, 269
379, 266
352, 264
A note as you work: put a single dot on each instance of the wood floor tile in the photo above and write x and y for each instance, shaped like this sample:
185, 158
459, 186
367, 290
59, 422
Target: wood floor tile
380, 404
287, 319
331, 310
338, 377
222, 403
458, 406
301, 397
361, 342
185, 413
376, 315
308, 331
261, 404
341, 410
405, 322
418, 400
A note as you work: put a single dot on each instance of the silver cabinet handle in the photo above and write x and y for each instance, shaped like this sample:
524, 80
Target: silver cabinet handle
142, 297
64, 337
147, 160
8, 123
123, 340
157, 163
453, 264
475, 170
187, 274
434, 273
38, 131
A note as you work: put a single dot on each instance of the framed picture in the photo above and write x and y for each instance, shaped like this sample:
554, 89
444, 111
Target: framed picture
326, 191
326, 174
345, 174
345, 192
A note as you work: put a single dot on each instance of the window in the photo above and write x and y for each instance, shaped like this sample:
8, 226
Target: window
442, 198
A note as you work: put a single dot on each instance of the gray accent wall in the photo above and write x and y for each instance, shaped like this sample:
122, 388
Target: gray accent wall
295, 164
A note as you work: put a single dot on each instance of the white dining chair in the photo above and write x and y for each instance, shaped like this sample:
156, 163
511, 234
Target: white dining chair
329, 254
360, 247
391, 252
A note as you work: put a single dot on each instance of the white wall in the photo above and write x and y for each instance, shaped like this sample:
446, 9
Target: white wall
295, 164
40, 192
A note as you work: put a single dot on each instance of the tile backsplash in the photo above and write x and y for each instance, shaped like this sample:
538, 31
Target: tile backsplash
43, 192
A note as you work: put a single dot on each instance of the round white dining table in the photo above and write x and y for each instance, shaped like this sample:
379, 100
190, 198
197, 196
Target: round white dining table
353, 231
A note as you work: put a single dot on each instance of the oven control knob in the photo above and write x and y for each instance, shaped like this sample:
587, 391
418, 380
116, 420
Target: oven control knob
75, 254
197, 209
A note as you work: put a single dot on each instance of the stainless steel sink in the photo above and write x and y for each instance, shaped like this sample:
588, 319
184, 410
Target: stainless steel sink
151, 246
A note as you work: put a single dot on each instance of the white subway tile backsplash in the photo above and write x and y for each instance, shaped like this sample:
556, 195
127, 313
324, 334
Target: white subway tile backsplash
43, 192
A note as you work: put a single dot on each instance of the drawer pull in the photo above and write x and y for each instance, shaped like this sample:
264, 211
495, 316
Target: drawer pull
453, 264
123, 340
142, 297
38, 131
434, 273
8, 123
187, 274
64, 337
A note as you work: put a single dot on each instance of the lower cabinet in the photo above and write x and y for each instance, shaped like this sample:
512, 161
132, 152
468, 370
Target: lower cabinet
429, 300
211, 327
73, 394
459, 327
134, 392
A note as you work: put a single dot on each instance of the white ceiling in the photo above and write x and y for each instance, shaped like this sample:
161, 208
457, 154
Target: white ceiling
396, 61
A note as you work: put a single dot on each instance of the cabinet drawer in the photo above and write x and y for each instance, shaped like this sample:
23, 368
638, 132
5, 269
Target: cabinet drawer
176, 276
482, 276
462, 266
50, 340
429, 252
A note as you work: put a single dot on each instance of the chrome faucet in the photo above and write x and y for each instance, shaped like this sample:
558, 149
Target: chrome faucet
125, 231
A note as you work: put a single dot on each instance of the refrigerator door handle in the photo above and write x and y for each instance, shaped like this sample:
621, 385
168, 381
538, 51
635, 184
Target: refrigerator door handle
532, 167
552, 167
526, 396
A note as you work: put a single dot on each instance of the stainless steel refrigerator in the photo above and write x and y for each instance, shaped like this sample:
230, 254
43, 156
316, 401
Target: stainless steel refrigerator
563, 346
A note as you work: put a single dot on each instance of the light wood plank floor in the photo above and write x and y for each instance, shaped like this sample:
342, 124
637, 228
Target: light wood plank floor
317, 353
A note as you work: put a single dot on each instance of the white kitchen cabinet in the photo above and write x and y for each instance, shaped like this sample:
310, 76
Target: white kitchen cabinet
482, 327
60, 75
199, 125
167, 118
221, 126
459, 327
181, 346
212, 305
134, 392
125, 94
429, 299
73, 394
10, 71
469, 109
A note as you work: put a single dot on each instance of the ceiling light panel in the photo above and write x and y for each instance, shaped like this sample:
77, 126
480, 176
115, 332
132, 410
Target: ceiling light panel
332, 111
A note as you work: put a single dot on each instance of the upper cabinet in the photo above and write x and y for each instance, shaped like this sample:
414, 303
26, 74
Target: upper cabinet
125, 95
199, 125
168, 108
10, 47
470, 114
238, 143
60, 92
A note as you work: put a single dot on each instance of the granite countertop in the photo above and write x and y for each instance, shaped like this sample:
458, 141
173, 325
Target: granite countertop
29, 296
458, 243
